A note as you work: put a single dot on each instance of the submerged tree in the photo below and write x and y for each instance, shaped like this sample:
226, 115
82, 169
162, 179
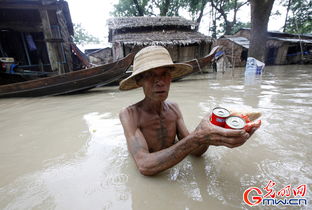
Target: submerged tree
260, 14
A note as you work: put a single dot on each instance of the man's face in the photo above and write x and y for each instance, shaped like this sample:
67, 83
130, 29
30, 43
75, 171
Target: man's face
156, 83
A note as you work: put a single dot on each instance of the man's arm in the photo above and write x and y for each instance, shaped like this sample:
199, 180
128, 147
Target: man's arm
217, 136
152, 163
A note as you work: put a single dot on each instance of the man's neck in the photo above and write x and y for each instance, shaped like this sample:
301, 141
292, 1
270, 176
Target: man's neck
153, 106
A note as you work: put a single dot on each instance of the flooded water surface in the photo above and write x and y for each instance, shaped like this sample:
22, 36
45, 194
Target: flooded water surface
69, 152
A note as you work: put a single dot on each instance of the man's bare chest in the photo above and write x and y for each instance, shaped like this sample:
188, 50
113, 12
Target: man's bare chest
158, 130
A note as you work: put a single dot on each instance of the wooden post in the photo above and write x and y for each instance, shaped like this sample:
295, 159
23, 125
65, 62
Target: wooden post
67, 39
25, 48
117, 51
52, 50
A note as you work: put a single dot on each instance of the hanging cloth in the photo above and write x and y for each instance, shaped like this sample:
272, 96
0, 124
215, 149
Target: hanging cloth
30, 42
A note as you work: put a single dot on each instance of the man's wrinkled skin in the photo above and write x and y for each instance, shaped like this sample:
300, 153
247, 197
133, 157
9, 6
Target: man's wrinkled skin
152, 125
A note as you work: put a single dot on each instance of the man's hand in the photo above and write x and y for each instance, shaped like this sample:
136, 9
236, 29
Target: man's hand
210, 134
250, 117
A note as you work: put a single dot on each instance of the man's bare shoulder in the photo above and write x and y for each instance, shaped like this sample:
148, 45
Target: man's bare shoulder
174, 107
129, 112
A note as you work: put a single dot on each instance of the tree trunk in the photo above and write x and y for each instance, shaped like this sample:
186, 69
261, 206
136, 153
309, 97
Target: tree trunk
285, 24
139, 8
198, 20
214, 23
228, 27
164, 8
260, 14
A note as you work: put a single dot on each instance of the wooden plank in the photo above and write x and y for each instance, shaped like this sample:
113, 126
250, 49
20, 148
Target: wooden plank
21, 27
56, 40
281, 57
67, 39
8, 5
118, 51
52, 49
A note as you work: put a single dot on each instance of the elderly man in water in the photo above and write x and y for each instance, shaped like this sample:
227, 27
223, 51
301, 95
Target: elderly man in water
154, 128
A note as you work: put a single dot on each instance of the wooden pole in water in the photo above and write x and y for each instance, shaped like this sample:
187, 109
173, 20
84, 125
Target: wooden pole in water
300, 42
233, 61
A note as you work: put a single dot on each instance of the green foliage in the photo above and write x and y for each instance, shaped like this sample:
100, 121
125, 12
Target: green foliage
299, 19
223, 12
223, 8
150, 7
194, 7
169, 7
82, 37
228, 11
126, 8
238, 25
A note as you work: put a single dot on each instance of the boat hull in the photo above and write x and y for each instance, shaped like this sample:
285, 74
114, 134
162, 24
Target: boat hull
70, 82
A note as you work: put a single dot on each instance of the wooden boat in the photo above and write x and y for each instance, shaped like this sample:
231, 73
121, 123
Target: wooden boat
22, 76
199, 64
70, 82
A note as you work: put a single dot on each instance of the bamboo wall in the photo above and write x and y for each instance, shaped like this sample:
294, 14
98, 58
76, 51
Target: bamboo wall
179, 53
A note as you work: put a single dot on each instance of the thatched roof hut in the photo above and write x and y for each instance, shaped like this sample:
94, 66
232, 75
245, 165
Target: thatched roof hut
126, 23
177, 34
165, 38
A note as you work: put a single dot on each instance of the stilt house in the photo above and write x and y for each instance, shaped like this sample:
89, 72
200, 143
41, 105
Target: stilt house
37, 34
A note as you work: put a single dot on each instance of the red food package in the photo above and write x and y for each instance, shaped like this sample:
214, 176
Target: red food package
251, 125
245, 117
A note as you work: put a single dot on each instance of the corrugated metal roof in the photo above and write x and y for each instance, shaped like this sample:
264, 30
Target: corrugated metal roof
281, 34
291, 40
242, 41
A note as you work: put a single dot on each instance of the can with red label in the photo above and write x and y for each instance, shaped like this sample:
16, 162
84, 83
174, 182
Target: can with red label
219, 115
235, 122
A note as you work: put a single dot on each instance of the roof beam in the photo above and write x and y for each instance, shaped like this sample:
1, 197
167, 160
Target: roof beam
6, 5
21, 26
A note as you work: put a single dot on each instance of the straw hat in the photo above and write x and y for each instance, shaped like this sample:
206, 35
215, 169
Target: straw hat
150, 58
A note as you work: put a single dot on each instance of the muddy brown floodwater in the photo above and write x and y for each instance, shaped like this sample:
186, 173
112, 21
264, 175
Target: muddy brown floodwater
69, 152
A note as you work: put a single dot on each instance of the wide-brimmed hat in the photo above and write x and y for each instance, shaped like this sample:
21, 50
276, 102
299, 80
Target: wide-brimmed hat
150, 58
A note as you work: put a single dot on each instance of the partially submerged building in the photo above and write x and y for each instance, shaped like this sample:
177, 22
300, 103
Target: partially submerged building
235, 49
100, 56
282, 48
37, 34
177, 34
